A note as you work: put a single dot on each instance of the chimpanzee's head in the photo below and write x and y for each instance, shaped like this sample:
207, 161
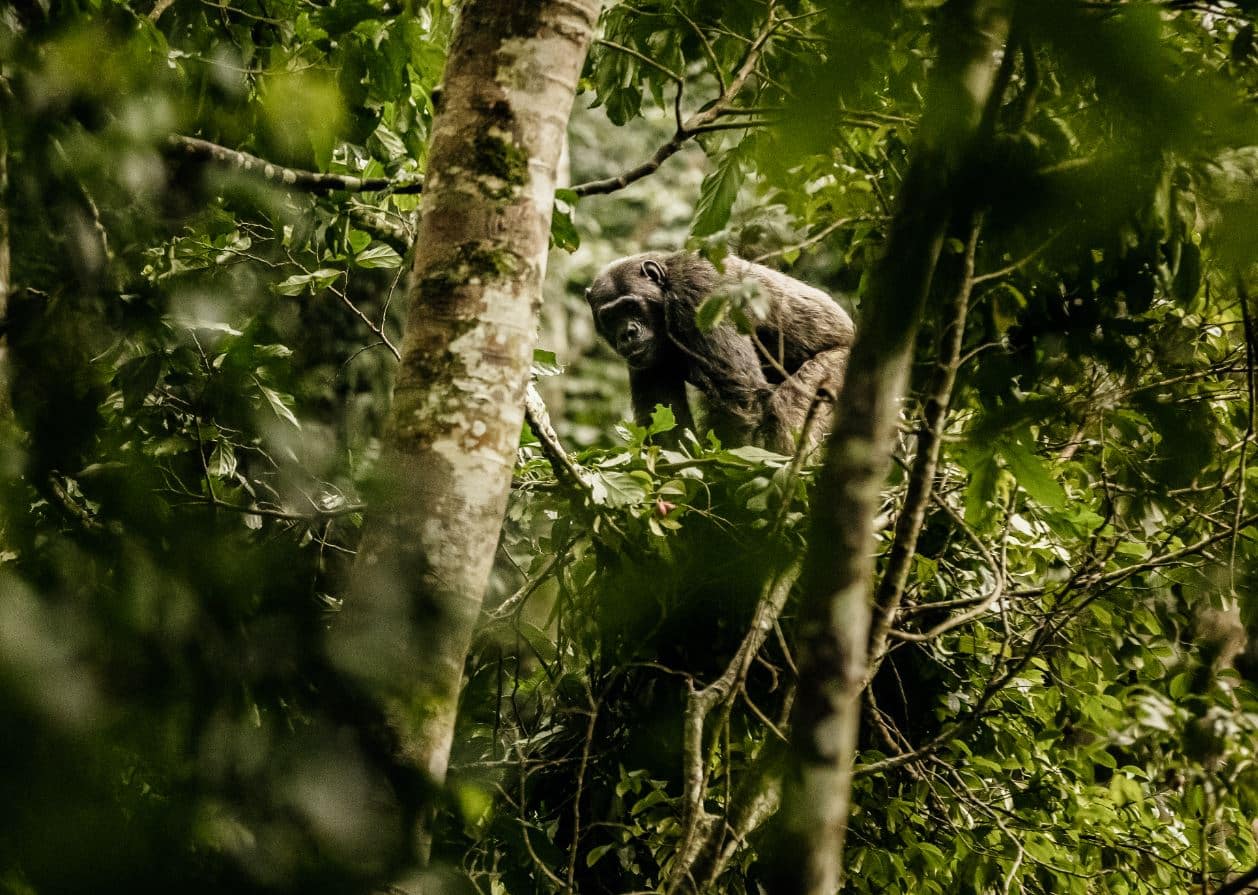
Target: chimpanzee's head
627, 298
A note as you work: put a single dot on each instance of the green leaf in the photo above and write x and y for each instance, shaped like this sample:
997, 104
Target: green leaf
563, 233
294, 285
276, 400
654, 797
597, 852
980, 492
1033, 475
1181, 684
379, 255
137, 378
222, 462
662, 420
358, 240
1006, 304
216, 326
618, 489
273, 351
712, 311
545, 363
320, 279
755, 455
717, 195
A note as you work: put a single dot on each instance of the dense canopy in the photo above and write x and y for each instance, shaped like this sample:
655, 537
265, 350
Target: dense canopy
277, 298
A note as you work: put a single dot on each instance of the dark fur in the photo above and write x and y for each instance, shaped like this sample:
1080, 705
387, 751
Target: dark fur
645, 306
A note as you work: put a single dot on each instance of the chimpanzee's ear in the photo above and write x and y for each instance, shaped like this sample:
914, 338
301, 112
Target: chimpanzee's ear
587, 295
654, 271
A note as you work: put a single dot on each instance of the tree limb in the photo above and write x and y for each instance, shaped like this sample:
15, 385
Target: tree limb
921, 481
834, 616
294, 178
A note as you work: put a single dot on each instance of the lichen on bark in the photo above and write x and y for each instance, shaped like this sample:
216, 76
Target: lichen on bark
479, 260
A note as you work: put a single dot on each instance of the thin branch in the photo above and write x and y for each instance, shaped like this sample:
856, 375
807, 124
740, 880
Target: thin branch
644, 59
695, 124
79, 513
1115, 576
732, 126
921, 484
697, 825
814, 239
1243, 294
1021, 262
295, 178
650, 166
707, 48
1050, 627
376, 329
512, 604
1239, 884
576, 801
566, 470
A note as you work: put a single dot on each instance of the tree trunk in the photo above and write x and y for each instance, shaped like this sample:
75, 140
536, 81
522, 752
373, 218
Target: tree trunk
474, 295
810, 827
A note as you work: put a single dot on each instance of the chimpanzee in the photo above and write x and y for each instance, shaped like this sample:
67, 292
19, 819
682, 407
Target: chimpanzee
757, 385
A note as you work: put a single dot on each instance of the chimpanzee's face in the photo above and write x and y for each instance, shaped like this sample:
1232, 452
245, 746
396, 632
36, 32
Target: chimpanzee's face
628, 304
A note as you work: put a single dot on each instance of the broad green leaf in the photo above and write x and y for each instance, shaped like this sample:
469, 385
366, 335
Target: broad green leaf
563, 233
294, 285
980, 491
619, 489
662, 420
378, 255
222, 462
1032, 474
591, 857
717, 195
545, 363
712, 311
358, 240
277, 402
137, 378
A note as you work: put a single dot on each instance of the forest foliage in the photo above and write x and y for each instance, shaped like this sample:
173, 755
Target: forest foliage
210, 208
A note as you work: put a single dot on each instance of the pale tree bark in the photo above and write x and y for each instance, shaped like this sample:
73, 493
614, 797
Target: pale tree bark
458, 400
810, 827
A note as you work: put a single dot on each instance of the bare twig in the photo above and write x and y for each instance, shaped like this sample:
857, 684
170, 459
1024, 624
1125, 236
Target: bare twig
512, 604
1021, 262
707, 48
376, 329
